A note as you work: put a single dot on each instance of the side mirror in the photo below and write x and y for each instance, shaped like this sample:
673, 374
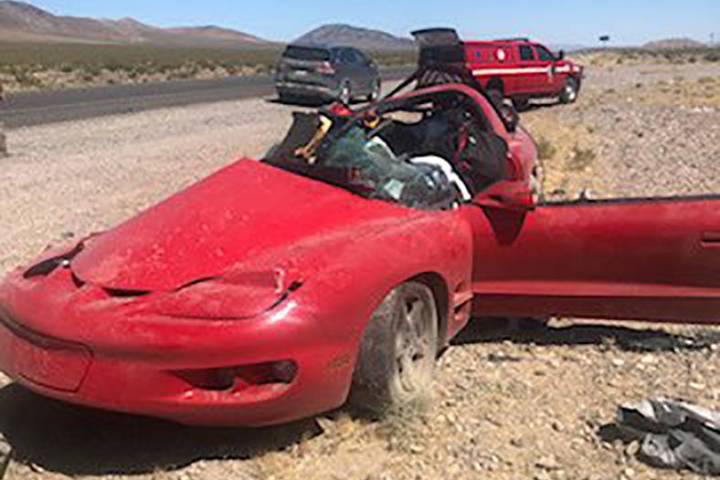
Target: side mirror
507, 195
560, 55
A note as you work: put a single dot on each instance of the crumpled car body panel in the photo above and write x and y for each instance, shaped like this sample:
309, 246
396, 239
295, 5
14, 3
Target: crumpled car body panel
296, 285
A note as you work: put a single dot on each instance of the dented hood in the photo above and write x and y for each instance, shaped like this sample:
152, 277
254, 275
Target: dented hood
246, 213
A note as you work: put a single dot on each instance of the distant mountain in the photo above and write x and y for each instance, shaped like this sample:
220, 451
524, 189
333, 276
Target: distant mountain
364, 38
674, 44
20, 21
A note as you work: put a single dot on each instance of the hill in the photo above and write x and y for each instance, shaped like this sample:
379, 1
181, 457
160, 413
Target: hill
674, 44
22, 22
364, 38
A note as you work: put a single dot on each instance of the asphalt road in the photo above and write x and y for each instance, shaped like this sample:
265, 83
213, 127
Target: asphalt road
37, 108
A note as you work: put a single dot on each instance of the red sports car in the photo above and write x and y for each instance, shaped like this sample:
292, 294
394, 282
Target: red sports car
339, 266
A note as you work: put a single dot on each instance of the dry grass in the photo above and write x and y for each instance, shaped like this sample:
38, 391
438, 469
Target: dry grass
567, 154
678, 92
31, 66
639, 56
581, 159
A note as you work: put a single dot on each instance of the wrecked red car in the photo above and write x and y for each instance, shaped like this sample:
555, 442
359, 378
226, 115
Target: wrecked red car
339, 266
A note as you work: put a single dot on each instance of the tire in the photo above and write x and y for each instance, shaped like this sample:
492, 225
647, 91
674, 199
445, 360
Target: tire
376, 91
396, 362
571, 91
345, 93
285, 97
520, 104
496, 96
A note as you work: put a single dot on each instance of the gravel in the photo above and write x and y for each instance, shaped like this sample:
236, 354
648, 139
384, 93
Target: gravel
507, 405
78, 177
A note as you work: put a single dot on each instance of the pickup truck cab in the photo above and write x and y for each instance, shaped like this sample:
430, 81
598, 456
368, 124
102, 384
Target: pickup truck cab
519, 69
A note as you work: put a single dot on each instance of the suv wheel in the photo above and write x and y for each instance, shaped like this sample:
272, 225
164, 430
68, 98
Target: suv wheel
570, 93
396, 363
345, 95
285, 97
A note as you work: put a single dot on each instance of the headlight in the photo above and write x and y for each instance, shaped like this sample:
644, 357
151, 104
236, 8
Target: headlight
236, 297
46, 266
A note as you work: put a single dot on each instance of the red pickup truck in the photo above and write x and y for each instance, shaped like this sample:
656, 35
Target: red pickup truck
518, 69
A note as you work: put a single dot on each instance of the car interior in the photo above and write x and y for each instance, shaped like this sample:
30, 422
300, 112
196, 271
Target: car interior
429, 152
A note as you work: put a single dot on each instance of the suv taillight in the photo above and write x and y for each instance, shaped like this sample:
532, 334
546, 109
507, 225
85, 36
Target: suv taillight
326, 68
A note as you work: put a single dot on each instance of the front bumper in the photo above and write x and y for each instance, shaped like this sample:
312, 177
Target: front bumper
140, 366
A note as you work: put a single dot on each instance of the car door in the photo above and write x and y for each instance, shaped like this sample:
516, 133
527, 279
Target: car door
644, 259
549, 82
532, 76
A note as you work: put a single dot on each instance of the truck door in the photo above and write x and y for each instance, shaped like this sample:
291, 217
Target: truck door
623, 259
553, 80
532, 76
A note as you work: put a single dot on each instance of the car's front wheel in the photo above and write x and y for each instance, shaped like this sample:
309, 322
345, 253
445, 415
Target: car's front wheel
396, 363
571, 91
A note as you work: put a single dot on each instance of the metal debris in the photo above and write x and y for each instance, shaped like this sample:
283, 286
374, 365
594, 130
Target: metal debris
673, 434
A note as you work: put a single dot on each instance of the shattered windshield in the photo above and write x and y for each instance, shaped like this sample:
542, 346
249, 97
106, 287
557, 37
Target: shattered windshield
429, 155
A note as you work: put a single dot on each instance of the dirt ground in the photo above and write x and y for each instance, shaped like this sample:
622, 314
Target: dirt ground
508, 405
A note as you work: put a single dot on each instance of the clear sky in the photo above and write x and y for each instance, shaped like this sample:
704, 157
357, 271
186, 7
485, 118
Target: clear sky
554, 21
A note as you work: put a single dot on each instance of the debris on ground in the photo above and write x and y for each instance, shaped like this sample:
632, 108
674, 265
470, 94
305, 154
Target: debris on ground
663, 342
671, 434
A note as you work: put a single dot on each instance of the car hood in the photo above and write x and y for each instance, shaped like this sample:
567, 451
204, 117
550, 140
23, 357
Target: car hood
245, 217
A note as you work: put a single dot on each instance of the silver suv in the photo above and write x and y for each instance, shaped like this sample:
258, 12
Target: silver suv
327, 73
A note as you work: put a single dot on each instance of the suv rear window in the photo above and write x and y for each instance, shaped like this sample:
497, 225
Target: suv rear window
307, 53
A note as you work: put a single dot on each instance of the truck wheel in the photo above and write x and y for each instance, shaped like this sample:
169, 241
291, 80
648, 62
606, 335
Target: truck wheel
520, 104
396, 363
496, 96
570, 92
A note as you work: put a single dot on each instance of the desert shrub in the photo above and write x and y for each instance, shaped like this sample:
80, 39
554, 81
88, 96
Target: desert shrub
25, 77
113, 66
546, 150
581, 158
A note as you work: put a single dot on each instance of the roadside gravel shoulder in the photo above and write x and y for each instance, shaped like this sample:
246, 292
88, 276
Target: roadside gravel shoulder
80, 177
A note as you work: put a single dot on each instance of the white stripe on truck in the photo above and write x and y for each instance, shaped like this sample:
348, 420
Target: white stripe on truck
520, 71
509, 71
